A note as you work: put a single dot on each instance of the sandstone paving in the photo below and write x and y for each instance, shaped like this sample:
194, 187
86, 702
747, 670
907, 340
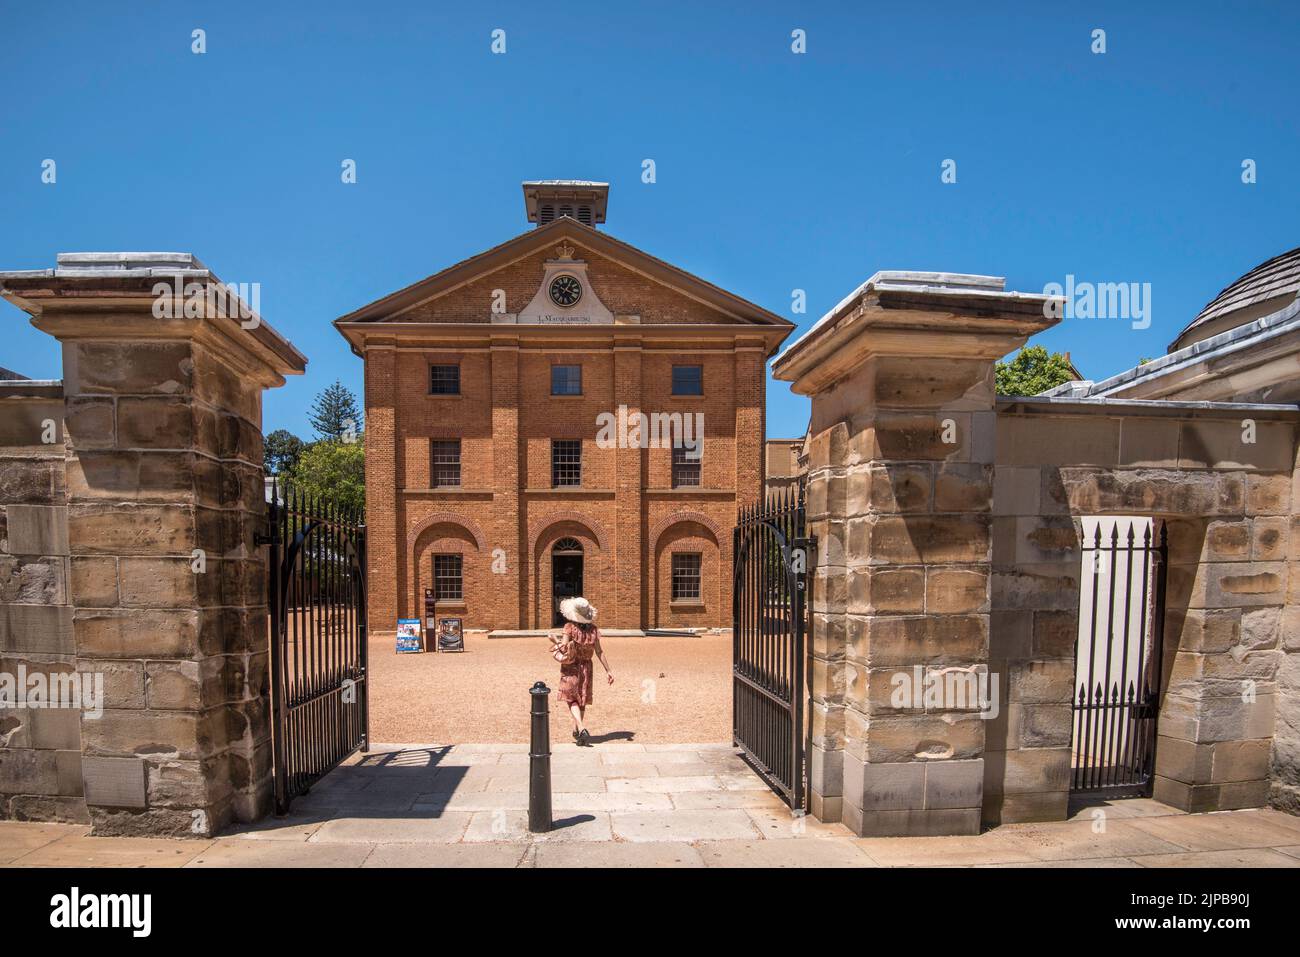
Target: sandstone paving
779, 824
808, 852
612, 854
687, 826
623, 805
1245, 857
80, 851
503, 825
18, 839
1075, 840
279, 854
974, 850
498, 855
1224, 830
445, 828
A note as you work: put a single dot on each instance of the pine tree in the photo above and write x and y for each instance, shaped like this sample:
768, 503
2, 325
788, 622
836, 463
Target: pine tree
335, 414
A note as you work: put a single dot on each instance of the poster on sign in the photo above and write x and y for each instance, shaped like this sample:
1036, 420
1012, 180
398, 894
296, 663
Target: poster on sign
450, 635
408, 636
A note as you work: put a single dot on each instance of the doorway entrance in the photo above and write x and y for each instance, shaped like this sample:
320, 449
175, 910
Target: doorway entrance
1118, 656
566, 575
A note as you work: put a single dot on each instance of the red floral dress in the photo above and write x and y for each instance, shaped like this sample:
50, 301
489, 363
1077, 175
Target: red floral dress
576, 677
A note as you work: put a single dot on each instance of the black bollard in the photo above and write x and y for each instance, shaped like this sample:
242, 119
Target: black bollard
539, 760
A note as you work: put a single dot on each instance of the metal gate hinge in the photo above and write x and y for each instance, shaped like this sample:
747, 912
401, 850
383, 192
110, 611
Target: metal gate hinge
260, 539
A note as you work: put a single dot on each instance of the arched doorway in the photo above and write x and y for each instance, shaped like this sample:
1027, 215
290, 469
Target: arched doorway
566, 574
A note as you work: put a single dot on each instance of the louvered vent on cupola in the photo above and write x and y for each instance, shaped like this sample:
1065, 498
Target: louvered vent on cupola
551, 199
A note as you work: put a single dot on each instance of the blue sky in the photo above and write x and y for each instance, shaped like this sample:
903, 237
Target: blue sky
775, 171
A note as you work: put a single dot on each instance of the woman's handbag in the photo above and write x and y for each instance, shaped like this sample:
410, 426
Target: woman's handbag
565, 652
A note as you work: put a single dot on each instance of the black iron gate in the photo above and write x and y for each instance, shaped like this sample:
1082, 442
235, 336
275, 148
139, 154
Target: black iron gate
317, 604
772, 554
1118, 660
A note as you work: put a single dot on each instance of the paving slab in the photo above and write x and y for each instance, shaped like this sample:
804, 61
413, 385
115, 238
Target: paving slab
1243, 857
710, 800
1091, 862
746, 781
294, 826
448, 855
445, 828
19, 838
780, 824
666, 785
513, 826
1224, 830
1079, 840
828, 852
973, 850
611, 854
683, 826
81, 851
233, 852
1123, 809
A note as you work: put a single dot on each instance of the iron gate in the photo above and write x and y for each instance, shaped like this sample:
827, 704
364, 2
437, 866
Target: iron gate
769, 623
1117, 683
317, 604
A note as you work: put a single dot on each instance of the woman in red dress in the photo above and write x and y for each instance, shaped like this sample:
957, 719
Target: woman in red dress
576, 648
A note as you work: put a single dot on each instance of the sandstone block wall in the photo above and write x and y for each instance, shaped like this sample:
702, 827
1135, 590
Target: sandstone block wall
40, 747
1228, 506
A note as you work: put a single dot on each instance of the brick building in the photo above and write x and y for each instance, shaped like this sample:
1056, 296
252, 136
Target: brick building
504, 463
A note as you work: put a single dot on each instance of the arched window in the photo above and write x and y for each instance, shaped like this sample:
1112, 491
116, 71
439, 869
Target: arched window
567, 546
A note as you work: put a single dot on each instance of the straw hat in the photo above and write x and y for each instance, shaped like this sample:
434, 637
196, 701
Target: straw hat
578, 610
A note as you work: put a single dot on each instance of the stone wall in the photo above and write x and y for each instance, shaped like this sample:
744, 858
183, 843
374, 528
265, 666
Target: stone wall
40, 747
1227, 505
131, 549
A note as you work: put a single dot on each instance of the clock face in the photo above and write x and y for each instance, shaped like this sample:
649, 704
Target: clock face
565, 290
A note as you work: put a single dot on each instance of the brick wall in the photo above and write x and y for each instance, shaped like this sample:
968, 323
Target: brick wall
506, 510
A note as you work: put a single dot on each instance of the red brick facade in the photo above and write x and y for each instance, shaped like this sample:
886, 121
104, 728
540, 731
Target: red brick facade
505, 516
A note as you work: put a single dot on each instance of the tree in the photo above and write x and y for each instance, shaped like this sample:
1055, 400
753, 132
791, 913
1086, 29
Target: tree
335, 414
1032, 371
280, 451
333, 470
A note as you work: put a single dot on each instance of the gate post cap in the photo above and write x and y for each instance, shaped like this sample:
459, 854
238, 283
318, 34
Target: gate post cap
539, 688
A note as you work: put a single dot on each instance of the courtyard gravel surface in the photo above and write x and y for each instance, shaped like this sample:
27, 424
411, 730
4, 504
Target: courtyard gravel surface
666, 690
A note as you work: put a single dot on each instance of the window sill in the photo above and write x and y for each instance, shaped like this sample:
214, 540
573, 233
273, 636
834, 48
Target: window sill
444, 395
686, 603
448, 604
568, 396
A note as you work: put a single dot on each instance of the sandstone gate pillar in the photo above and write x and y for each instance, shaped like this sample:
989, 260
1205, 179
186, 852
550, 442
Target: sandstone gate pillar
163, 458
899, 497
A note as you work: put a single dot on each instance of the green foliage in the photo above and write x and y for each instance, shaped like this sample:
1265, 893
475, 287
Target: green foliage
333, 470
1032, 371
280, 451
335, 414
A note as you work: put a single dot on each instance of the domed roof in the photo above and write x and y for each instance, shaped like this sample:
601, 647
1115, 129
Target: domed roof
1262, 291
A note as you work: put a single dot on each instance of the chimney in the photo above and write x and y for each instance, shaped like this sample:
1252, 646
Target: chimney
546, 200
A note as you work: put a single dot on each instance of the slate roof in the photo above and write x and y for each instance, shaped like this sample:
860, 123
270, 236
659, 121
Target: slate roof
1279, 276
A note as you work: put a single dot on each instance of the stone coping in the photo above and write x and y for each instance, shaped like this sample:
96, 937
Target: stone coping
1101, 405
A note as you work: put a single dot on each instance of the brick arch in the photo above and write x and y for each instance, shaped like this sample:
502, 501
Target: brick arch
447, 518
699, 518
538, 528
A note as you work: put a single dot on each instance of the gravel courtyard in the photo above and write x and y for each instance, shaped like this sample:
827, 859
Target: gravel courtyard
666, 691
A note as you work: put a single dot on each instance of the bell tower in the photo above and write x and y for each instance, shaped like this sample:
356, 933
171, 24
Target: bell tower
546, 200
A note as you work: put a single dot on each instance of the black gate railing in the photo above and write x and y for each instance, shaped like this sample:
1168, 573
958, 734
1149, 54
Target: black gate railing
769, 623
1118, 661
317, 604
